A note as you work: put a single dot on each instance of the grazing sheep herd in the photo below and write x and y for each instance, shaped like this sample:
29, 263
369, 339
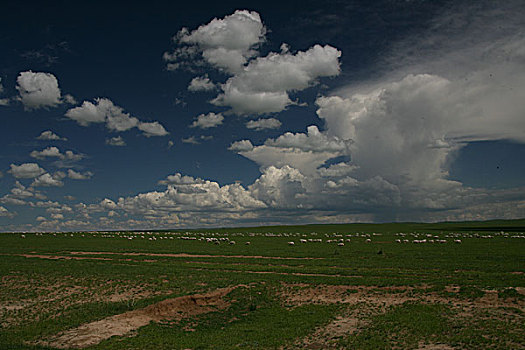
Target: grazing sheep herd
336, 238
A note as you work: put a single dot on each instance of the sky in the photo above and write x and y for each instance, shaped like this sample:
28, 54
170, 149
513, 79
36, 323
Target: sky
157, 115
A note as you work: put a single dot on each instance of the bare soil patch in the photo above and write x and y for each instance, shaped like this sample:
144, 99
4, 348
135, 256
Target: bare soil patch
119, 325
365, 301
423, 346
50, 298
326, 337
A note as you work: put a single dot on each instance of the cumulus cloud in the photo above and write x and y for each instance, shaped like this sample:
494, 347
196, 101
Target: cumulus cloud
48, 180
191, 140
49, 135
305, 152
196, 140
53, 151
201, 84
279, 187
263, 85
225, 43
258, 85
26, 170
263, 124
19, 194
40, 90
116, 141
3, 101
241, 146
206, 121
104, 110
185, 194
152, 129
72, 174
5, 213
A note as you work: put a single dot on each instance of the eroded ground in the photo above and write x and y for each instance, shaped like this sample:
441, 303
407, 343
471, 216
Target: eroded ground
357, 309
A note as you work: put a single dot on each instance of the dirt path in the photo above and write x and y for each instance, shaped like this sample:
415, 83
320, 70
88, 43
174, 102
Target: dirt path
185, 255
171, 309
59, 257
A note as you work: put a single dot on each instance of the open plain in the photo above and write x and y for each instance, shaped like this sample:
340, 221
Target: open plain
356, 286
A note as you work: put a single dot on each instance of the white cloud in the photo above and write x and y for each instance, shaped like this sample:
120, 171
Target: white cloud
3, 101
201, 84
206, 121
245, 102
38, 90
26, 170
186, 194
196, 141
241, 146
179, 179
5, 213
108, 204
89, 112
53, 151
225, 43
191, 140
263, 124
258, 85
57, 216
69, 99
116, 141
408, 130
305, 152
152, 129
48, 180
49, 135
263, 85
105, 111
279, 187
48, 152
337, 170
19, 194
72, 174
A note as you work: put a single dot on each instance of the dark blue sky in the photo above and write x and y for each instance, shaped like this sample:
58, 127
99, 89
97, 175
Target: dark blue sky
418, 109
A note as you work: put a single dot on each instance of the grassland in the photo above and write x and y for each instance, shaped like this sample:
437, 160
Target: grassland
357, 286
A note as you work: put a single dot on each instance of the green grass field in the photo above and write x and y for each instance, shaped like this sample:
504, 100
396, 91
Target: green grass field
182, 290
